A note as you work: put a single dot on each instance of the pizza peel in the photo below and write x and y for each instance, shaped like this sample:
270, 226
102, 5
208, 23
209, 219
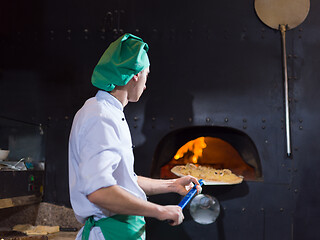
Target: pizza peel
187, 198
204, 209
283, 15
190, 195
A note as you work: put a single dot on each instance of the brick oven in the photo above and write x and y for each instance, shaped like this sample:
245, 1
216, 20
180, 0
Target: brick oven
213, 146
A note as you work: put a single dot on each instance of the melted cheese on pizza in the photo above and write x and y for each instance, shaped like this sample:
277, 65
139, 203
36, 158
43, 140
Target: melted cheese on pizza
207, 173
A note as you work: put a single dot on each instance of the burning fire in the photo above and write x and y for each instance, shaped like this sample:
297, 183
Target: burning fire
211, 152
195, 147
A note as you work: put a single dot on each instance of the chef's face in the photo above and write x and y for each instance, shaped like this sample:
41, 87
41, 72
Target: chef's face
139, 85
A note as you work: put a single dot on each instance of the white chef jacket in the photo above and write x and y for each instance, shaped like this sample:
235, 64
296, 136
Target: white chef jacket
100, 155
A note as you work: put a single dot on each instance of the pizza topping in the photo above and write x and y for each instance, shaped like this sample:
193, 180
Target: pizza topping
208, 174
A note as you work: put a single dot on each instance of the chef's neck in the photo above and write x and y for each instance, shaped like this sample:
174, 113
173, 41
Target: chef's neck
121, 94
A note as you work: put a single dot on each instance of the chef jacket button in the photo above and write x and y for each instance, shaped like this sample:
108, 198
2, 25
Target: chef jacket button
122, 119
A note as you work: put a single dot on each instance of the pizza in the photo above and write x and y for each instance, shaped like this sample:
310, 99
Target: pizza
35, 230
208, 174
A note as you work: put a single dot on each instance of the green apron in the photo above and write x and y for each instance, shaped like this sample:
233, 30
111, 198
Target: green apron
117, 227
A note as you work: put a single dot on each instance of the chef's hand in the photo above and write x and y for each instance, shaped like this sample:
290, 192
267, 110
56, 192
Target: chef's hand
184, 184
171, 213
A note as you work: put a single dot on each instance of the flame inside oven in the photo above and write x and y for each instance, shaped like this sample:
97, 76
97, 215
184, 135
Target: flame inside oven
211, 152
192, 150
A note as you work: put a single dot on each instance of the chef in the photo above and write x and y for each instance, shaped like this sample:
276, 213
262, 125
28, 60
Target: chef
105, 193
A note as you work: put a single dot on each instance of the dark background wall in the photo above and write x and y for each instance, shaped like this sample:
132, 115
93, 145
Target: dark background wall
212, 62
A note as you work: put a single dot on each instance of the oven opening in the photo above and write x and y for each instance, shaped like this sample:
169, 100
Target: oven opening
216, 147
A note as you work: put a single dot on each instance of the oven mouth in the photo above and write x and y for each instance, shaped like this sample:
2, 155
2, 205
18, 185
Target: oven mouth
212, 146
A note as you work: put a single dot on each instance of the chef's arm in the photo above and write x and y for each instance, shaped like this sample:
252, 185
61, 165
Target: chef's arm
119, 201
158, 186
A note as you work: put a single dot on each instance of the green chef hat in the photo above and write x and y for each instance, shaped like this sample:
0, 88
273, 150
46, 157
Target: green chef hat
124, 58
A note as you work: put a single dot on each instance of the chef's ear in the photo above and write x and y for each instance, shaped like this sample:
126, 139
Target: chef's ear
135, 77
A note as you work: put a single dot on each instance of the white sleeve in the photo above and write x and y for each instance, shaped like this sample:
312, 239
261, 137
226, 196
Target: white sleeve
99, 154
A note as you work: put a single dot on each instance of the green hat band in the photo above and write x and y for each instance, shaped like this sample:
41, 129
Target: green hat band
124, 58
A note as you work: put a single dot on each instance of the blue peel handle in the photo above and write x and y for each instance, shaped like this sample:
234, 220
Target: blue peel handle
189, 196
